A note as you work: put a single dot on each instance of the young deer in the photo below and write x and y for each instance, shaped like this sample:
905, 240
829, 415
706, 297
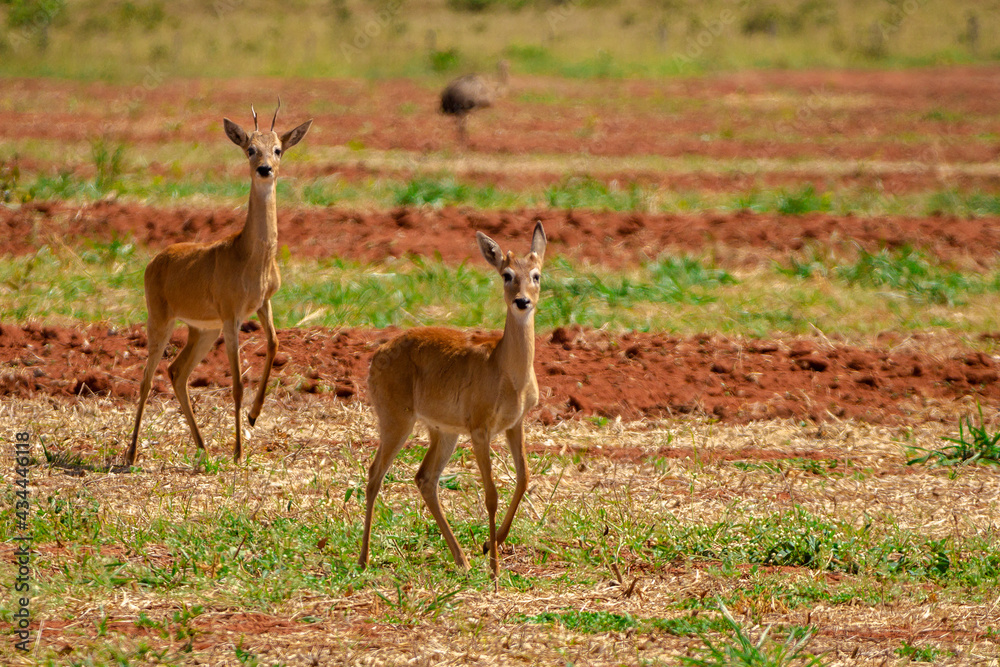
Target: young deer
214, 287
456, 382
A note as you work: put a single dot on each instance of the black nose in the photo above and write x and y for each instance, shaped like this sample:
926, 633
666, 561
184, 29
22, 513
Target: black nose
522, 303
264, 170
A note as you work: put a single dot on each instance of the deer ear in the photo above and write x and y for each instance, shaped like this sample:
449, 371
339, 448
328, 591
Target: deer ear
292, 137
491, 251
538, 242
236, 133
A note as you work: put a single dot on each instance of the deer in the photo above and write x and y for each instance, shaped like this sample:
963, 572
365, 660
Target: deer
459, 382
216, 286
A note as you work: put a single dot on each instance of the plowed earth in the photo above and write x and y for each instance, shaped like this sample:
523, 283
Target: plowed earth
837, 114
580, 372
917, 120
609, 238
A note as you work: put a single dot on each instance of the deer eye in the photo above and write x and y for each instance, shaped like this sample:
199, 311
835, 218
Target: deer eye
536, 277
251, 152
277, 151
507, 277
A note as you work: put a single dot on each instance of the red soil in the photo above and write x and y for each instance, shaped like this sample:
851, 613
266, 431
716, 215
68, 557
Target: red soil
929, 115
579, 372
612, 239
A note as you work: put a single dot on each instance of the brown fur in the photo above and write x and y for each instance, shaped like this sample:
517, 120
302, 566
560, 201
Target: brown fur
458, 382
214, 287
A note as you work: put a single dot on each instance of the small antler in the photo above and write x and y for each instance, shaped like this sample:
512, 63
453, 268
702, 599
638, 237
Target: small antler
254, 118
276, 113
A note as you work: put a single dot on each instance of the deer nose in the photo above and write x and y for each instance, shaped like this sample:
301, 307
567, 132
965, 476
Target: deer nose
264, 170
522, 303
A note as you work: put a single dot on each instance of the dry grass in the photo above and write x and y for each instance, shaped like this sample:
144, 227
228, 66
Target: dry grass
579, 542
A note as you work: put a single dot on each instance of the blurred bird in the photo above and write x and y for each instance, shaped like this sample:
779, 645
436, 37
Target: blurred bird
470, 92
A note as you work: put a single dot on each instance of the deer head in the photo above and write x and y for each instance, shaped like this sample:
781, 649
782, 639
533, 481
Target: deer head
264, 149
522, 277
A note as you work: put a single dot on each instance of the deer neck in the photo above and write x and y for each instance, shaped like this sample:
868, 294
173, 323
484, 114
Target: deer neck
515, 352
259, 238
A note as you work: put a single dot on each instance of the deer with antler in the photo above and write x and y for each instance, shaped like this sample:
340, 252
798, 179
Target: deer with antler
214, 287
457, 382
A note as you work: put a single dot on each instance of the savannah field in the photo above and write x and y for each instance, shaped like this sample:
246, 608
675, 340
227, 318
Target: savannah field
767, 342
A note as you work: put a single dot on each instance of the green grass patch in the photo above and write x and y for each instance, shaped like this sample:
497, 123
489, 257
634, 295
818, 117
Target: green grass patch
114, 173
974, 445
737, 648
915, 653
594, 39
797, 538
963, 204
681, 294
787, 202
594, 622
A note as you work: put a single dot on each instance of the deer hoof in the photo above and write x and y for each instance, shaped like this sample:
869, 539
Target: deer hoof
251, 419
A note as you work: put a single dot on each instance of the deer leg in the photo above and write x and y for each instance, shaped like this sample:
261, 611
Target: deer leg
199, 342
442, 446
157, 337
266, 319
393, 432
463, 135
230, 331
481, 448
515, 441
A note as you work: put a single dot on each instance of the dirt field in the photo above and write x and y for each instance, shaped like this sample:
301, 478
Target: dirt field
642, 445
612, 239
581, 372
837, 114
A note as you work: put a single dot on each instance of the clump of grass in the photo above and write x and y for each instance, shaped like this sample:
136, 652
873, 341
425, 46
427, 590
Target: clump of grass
963, 204
737, 648
804, 200
799, 538
445, 60
908, 270
529, 58
974, 445
787, 202
591, 193
434, 192
447, 192
109, 161
10, 186
917, 653
596, 622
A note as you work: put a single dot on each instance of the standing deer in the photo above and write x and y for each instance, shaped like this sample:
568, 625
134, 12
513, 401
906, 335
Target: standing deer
457, 382
214, 287
470, 92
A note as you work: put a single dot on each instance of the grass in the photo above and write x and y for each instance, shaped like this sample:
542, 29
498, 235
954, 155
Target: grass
974, 445
904, 270
903, 291
594, 622
201, 552
918, 653
113, 175
738, 649
599, 39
